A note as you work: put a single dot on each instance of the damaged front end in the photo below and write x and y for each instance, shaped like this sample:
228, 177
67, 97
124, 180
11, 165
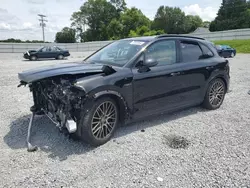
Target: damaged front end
58, 94
60, 100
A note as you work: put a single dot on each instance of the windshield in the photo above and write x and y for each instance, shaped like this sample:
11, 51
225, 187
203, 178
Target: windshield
38, 49
117, 53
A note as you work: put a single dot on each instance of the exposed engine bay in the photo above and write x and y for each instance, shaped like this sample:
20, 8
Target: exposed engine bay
61, 96
60, 100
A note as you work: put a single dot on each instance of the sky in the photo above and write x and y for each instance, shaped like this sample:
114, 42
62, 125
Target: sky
18, 18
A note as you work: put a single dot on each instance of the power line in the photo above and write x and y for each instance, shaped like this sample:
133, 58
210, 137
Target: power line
42, 24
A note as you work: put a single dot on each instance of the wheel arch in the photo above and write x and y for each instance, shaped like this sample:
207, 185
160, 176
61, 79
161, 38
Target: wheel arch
223, 79
219, 76
120, 102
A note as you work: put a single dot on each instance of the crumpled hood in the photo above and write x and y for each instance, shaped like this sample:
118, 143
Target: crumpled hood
59, 69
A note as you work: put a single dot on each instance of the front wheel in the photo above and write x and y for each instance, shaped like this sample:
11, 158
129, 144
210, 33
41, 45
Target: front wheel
33, 58
215, 94
60, 57
100, 122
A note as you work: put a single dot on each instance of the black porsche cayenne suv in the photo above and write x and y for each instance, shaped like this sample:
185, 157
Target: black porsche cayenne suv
126, 80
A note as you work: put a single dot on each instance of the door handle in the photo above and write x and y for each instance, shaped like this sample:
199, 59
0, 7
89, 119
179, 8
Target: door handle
209, 68
175, 73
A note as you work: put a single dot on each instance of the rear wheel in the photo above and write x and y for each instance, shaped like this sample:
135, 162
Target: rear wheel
33, 58
215, 94
100, 122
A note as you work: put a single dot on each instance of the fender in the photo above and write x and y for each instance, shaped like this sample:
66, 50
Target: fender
214, 75
125, 100
118, 84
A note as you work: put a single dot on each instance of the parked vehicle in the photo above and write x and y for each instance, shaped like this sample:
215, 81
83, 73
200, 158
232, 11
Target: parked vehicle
46, 52
226, 51
128, 80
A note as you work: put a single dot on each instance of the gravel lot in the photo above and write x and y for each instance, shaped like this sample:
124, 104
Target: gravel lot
216, 153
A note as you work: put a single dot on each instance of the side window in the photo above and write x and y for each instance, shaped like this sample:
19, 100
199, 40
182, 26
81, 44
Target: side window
191, 51
43, 49
58, 49
206, 50
53, 49
164, 52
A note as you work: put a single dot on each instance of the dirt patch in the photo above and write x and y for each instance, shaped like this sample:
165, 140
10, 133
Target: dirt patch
176, 142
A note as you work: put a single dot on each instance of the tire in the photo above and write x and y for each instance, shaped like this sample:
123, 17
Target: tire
33, 58
215, 94
60, 57
91, 131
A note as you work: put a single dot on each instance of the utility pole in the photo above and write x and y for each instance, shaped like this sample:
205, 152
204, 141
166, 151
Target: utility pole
42, 24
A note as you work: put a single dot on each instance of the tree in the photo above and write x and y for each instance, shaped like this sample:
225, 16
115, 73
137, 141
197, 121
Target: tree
144, 31
169, 19
79, 24
67, 35
115, 29
206, 24
96, 14
120, 5
231, 15
192, 23
133, 18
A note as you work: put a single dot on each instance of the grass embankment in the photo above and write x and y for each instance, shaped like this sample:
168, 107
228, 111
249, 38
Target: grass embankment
242, 46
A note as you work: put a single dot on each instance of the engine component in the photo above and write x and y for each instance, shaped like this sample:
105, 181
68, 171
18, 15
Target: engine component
71, 126
59, 100
30, 147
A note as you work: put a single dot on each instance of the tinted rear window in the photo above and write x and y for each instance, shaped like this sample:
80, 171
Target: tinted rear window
206, 50
190, 51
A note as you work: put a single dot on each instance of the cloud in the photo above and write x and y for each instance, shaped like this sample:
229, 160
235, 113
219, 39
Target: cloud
7, 18
27, 25
3, 11
35, 10
207, 13
4, 26
36, 1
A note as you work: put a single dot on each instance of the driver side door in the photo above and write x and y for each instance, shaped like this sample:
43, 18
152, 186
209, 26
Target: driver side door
153, 88
42, 53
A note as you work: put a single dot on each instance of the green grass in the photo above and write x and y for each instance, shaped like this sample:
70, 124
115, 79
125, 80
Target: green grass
242, 46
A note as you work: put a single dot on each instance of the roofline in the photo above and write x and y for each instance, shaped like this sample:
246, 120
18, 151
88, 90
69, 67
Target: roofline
177, 35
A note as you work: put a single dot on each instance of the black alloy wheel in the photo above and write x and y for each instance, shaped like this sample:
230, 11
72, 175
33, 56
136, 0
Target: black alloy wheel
99, 123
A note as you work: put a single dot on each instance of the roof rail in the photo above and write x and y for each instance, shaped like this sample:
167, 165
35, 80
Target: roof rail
179, 35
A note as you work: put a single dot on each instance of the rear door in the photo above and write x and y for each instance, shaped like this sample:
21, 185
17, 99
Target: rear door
196, 66
54, 52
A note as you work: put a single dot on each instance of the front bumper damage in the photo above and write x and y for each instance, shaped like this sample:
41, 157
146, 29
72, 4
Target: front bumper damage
60, 100
26, 55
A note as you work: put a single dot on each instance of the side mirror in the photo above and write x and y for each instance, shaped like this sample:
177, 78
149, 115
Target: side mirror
150, 62
145, 66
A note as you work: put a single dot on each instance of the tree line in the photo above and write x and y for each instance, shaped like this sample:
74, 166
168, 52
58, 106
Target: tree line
235, 14
12, 40
99, 20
